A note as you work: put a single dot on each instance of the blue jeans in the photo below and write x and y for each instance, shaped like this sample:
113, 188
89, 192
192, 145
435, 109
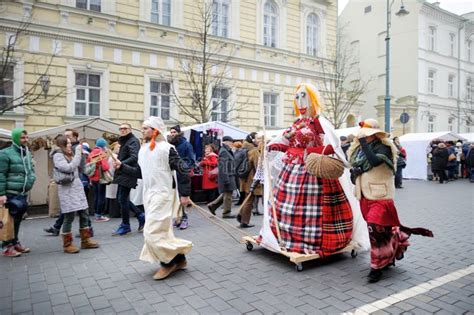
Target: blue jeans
123, 199
99, 198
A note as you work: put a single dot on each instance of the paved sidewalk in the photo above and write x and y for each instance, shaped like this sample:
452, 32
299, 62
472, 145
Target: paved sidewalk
223, 277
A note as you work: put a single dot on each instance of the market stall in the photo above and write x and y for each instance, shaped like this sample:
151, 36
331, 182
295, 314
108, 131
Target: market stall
417, 146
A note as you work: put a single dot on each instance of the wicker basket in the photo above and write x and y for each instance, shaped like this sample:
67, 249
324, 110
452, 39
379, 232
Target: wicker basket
324, 166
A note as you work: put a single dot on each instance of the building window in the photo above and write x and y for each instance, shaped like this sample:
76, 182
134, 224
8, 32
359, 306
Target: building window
368, 9
87, 102
270, 24
432, 38
93, 5
450, 123
469, 89
270, 107
452, 44
451, 85
431, 121
161, 12
220, 101
160, 99
220, 18
6, 87
469, 50
431, 81
312, 34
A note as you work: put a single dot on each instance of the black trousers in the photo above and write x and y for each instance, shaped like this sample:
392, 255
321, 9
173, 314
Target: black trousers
176, 260
442, 175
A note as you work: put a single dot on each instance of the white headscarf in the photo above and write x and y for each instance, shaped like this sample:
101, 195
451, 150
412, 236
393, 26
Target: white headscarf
156, 123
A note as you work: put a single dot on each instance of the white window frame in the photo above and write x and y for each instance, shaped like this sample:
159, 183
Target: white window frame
218, 110
71, 86
451, 79
452, 44
160, 12
88, 5
159, 99
313, 35
176, 13
18, 87
432, 38
87, 90
218, 27
281, 22
431, 82
266, 110
271, 37
450, 123
431, 123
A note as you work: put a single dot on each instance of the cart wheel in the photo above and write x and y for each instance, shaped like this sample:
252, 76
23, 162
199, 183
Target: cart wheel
353, 253
299, 267
249, 246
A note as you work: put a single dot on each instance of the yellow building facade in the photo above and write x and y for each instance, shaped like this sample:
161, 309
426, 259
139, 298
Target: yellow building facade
119, 59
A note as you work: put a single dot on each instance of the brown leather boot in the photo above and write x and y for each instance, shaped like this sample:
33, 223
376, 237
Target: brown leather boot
86, 241
67, 244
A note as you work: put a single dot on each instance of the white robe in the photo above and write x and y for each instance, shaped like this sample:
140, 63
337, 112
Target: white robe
161, 204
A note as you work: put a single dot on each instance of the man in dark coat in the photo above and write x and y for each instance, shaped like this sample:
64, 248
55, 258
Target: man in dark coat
128, 155
226, 179
186, 153
439, 162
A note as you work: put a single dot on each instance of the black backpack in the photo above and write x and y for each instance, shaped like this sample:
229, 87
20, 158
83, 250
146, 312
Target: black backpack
242, 168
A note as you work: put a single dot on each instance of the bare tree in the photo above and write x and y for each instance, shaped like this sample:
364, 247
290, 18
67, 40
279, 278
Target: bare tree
34, 94
465, 114
342, 84
207, 84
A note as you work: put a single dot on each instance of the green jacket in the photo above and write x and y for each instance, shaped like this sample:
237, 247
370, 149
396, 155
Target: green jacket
17, 173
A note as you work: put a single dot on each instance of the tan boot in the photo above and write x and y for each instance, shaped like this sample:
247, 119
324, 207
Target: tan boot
86, 242
164, 272
67, 244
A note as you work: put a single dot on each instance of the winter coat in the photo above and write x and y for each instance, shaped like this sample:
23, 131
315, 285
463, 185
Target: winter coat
439, 161
128, 155
71, 196
452, 163
17, 173
104, 164
185, 150
226, 179
208, 163
253, 154
470, 157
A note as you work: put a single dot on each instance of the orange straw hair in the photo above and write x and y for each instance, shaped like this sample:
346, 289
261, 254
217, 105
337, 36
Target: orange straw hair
153, 137
313, 96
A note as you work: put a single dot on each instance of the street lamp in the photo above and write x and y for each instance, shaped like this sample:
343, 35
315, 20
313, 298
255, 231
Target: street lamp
44, 80
401, 12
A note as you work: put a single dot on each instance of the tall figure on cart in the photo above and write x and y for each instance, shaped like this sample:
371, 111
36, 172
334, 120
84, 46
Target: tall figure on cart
314, 216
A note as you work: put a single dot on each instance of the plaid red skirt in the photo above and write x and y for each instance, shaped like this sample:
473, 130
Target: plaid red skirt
313, 214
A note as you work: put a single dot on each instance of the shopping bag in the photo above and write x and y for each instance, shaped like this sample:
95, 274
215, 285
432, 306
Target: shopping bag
6, 225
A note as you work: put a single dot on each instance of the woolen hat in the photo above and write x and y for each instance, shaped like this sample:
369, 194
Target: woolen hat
227, 138
101, 143
370, 127
441, 145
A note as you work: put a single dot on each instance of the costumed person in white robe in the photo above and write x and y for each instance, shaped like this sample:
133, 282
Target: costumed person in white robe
158, 162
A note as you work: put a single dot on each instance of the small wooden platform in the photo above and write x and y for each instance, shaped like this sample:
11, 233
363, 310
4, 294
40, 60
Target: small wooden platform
298, 258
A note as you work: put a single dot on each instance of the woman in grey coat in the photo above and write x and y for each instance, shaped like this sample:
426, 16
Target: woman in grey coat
72, 198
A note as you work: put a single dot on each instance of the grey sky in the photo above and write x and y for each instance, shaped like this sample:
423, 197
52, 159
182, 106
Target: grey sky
455, 6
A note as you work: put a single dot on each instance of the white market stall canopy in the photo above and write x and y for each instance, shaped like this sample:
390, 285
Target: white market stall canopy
91, 128
347, 131
468, 136
417, 146
228, 130
5, 134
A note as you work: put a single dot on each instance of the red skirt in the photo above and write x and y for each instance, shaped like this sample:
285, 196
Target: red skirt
314, 215
381, 212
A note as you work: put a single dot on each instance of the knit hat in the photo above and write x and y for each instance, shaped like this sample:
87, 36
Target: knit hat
250, 137
177, 128
370, 127
101, 143
441, 145
227, 138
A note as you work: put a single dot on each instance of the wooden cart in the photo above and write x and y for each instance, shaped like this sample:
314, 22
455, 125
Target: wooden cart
298, 258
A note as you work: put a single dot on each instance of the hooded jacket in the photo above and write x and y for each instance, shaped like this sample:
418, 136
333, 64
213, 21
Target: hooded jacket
17, 173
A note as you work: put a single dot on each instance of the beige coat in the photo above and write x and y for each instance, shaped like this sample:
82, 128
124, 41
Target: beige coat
253, 156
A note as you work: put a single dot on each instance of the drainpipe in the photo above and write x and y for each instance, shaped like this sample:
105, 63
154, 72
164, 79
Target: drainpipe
458, 96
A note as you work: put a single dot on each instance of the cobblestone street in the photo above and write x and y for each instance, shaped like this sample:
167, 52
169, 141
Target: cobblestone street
223, 277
